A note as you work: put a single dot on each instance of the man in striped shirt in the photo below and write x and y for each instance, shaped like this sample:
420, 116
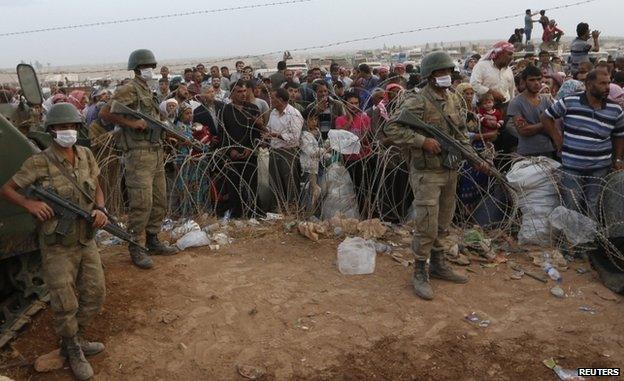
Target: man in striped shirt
592, 141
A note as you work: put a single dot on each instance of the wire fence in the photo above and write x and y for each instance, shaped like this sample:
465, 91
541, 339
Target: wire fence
374, 186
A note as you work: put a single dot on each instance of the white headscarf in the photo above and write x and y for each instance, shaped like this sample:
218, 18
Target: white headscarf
163, 107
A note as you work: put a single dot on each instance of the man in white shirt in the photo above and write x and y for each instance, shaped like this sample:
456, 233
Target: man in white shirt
493, 75
284, 132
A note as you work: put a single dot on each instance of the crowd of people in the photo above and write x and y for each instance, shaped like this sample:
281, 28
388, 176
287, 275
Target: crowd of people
505, 97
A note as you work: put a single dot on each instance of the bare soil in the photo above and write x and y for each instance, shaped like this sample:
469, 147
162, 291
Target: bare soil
276, 301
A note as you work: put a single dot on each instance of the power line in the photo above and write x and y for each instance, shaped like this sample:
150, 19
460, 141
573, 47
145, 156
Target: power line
146, 18
344, 42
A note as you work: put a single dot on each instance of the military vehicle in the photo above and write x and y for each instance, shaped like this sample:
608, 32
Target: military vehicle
22, 291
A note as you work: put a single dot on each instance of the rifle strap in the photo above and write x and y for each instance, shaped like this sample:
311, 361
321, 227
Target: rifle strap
67, 175
448, 120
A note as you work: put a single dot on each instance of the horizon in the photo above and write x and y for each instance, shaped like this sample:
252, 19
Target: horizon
111, 44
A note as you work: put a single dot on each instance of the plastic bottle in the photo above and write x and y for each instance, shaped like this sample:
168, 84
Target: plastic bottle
552, 272
356, 256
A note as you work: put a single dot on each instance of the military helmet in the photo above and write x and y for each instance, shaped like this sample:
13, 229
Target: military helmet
62, 113
141, 57
435, 61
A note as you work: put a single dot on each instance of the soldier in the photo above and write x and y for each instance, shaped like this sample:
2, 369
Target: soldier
432, 172
143, 158
70, 264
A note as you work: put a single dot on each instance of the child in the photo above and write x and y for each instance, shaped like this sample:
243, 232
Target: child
491, 119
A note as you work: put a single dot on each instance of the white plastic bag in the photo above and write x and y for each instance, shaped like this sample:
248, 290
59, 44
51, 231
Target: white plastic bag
536, 186
195, 238
344, 141
356, 256
340, 199
186, 227
576, 227
221, 239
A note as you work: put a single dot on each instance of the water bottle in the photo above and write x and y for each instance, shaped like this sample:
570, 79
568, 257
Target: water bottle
356, 256
552, 272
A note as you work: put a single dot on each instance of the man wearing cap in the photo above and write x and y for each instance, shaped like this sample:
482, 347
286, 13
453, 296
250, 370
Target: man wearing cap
70, 264
432, 171
143, 158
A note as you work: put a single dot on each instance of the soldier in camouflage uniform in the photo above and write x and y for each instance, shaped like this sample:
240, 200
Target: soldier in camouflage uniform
432, 175
70, 264
143, 159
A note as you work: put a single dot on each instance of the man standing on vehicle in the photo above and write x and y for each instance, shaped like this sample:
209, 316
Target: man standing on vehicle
433, 172
580, 48
70, 264
143, 159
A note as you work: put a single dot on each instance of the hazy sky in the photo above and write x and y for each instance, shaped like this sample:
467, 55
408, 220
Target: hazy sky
262, 30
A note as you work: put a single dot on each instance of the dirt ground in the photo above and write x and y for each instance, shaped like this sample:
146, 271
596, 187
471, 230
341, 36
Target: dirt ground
276, 301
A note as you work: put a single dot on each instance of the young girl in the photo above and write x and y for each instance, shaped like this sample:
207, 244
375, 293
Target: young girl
491, 119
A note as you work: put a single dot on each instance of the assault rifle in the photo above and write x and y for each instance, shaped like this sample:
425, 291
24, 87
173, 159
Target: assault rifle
154, 124
67, 212
448, 143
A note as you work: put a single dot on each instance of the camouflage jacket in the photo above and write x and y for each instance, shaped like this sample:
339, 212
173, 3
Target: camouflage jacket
138, 96
412, 140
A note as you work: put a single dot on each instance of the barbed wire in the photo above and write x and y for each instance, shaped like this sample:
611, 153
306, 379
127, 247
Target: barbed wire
158, 17
337, 43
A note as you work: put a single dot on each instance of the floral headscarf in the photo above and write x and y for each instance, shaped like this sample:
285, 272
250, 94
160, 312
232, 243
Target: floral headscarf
569, 87
77, 98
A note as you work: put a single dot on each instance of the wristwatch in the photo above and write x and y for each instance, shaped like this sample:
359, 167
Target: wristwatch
101, 208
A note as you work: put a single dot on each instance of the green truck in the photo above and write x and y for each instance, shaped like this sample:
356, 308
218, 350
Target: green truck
22, 291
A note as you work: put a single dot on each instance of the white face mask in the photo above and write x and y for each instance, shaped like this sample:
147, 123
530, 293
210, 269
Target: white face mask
444, 81
147, 73
66, 138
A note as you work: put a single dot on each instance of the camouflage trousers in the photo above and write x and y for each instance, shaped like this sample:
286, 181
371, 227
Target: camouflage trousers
75, 281
147, 190
434, 206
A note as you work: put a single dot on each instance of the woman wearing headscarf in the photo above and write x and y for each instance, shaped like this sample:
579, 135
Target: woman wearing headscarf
190, 191
79, 99
569, 87
616, 94
470, 180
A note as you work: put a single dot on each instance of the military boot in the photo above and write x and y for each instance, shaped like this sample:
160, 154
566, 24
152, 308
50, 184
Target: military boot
420, 280
89, 348
77, 361
440, 269
156, 247
140, 257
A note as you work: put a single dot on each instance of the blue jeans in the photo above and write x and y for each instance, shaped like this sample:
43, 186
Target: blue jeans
581, 190
527, 33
